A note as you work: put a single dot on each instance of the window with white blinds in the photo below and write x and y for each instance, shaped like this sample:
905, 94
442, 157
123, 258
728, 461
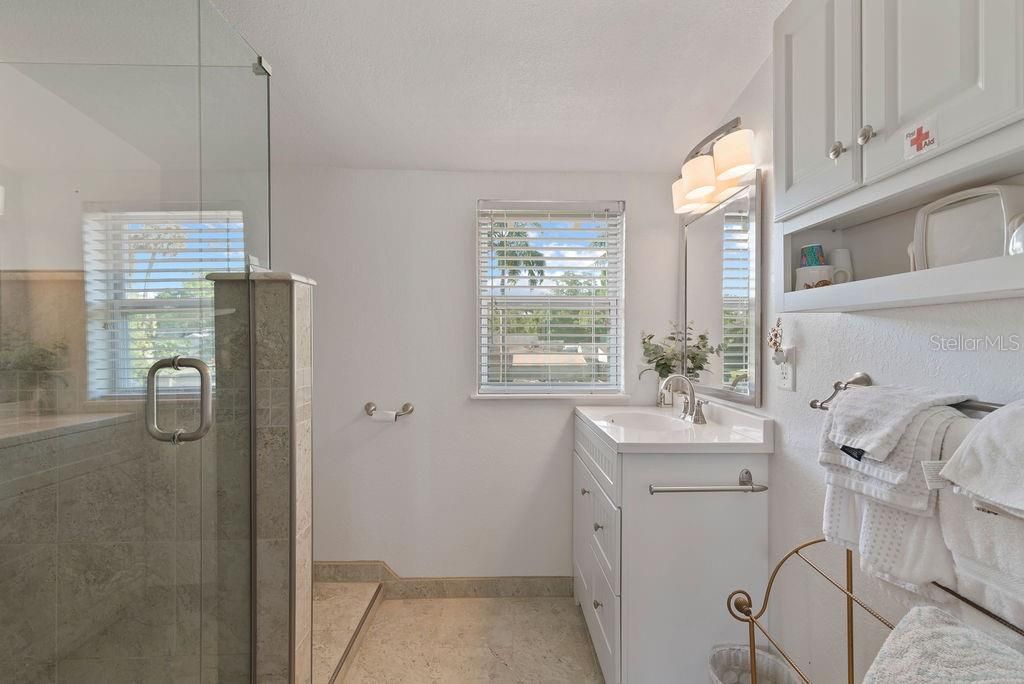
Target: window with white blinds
147, 296
737, 306
550, 297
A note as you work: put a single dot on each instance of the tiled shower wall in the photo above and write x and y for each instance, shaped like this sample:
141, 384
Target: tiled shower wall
122, 559
283, 452
112, 568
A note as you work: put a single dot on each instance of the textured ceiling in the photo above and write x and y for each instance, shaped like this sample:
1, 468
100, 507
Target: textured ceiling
557, 85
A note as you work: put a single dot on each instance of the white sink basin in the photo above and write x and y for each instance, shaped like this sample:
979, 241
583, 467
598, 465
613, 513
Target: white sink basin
635, 420
645, 429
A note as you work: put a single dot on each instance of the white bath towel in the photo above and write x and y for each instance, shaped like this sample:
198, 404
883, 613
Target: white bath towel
899, 481
988, 554
874, 418
929, 645
990, 462
893, 545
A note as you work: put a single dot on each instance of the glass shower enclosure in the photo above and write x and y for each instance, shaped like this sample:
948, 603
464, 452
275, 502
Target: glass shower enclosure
133, 163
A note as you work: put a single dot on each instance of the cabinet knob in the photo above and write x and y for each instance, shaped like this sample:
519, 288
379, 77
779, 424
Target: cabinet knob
837, 149
597, 604
866, 134
598, 526
584, 492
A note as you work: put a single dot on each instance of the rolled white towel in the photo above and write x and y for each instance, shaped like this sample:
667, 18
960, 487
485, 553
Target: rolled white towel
874, 418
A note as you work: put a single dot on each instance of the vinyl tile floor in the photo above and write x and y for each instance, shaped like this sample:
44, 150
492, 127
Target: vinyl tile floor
475, 640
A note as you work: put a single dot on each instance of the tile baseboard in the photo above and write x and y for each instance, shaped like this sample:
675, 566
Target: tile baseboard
399, 587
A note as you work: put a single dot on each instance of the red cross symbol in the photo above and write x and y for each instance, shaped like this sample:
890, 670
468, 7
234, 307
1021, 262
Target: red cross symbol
921, 136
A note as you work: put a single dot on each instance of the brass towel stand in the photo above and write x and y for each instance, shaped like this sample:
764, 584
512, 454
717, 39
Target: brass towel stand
741, 606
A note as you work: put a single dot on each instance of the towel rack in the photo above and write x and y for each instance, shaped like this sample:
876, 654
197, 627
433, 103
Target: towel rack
741, 607
864, 380
745, 483
740, 603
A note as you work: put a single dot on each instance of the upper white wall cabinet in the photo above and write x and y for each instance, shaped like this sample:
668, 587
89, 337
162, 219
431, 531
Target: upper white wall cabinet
867, 89
817, 103
942, 70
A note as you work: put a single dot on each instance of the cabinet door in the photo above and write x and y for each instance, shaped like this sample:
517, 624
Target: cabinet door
817, 102
937, 74
584, 489
682, 554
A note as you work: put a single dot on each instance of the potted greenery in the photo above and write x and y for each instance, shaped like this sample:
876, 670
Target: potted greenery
666, 356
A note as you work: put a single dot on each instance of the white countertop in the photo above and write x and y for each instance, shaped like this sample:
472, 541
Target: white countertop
728, 430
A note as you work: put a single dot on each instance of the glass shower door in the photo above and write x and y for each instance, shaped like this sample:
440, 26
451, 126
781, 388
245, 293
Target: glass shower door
133, 163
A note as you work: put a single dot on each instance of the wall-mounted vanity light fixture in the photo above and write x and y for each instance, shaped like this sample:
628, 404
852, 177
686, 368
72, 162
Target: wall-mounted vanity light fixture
3, 199
714, 170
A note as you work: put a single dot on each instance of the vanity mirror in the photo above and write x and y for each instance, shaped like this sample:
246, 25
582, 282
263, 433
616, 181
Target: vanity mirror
721, 267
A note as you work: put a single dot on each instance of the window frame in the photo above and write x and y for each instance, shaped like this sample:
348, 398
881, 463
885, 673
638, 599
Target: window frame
118, 307
615, 304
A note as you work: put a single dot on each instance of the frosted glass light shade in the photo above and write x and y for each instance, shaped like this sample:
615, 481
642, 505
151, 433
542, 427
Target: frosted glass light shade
726, 189
678, 200
680, 204
734, 154
698, 177
3, 199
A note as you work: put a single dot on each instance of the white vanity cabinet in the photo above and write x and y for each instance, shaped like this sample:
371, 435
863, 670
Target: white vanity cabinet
886, 85
652, 571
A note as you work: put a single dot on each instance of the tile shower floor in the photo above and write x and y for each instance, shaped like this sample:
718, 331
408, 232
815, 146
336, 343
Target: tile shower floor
462, 640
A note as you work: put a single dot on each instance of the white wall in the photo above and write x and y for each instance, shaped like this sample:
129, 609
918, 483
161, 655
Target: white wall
462, 487
893, 347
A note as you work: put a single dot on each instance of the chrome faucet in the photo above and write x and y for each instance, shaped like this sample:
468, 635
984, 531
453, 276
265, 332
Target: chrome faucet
692, 410
659, 401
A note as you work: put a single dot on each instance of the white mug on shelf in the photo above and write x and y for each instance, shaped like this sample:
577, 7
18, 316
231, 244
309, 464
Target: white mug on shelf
842, 265
808, 277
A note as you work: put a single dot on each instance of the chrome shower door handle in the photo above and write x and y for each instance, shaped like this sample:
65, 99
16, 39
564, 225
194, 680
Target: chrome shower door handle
205, 400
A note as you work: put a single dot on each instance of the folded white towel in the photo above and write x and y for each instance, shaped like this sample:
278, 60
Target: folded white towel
988, 555
990, 461
874, 418
985, 506
899, 547
930, 645
899, 481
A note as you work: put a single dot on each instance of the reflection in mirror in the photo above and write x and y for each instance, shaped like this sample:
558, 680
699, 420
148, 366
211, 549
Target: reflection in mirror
722, 306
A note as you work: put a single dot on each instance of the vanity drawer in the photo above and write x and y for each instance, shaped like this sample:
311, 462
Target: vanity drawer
607, 540
602, 615
602, 459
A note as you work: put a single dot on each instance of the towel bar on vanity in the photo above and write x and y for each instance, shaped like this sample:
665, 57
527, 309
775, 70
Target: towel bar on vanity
864, 380
745, 484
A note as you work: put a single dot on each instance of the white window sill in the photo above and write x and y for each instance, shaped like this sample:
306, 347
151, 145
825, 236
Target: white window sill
597, 399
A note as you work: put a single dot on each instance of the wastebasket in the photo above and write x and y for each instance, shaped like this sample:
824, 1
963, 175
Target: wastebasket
730, 664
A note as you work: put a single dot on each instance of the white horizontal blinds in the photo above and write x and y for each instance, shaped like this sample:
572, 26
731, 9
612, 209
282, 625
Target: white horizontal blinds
737, 316
550, 283
147, 296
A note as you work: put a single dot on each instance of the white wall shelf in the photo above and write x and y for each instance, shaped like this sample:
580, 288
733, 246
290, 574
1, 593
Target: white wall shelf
998, 278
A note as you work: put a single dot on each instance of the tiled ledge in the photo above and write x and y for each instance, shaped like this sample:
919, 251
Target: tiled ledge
23, 429
281, 276
440, 587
